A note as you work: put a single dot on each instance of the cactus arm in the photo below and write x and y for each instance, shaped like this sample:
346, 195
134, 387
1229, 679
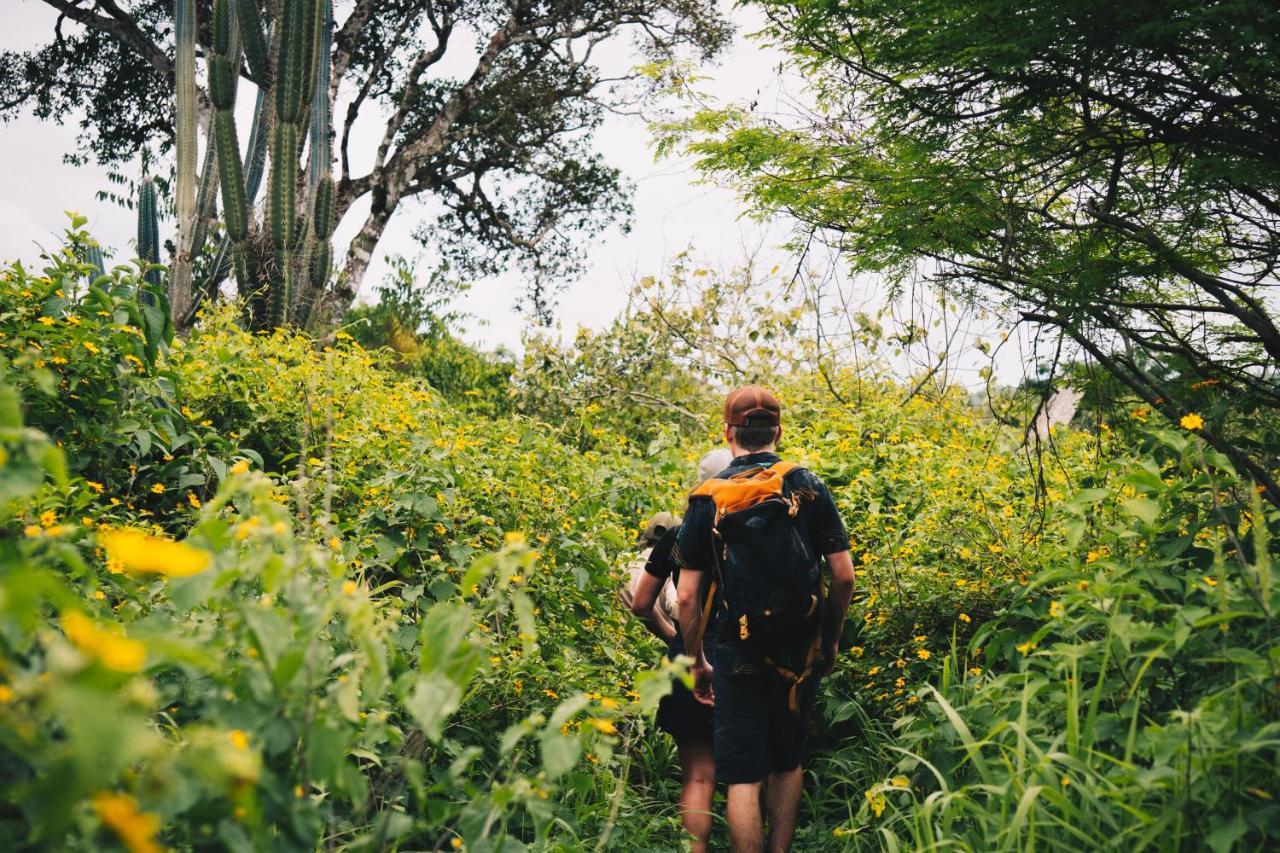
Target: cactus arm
321, 124
148, 230
318, 258
186, 143
98, 264
255, 42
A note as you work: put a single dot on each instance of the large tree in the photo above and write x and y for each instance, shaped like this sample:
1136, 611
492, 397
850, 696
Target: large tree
1109, 171
501, 141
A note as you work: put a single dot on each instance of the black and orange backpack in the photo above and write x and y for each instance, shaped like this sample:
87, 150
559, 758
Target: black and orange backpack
767, 580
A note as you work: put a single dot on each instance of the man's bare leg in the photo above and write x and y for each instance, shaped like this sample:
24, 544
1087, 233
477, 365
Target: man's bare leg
698, 767
783, 804
746, 825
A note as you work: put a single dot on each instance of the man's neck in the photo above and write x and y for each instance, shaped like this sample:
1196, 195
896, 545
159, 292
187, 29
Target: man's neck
739, 452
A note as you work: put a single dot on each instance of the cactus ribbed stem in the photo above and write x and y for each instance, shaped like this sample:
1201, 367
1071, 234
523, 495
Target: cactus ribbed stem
186, 143
149, 228
291, 72
148, 223
283, 203
254, 38
235, 209
93, 257
324, 207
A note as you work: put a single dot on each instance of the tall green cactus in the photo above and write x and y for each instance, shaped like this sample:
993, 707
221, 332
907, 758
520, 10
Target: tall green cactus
276, 274
186, 141
97, 263
148, 227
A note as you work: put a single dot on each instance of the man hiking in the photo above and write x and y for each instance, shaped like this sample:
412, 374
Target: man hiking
650, 595
753, 538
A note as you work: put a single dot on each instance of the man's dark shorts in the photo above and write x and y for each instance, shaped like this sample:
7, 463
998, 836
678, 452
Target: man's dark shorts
756, 733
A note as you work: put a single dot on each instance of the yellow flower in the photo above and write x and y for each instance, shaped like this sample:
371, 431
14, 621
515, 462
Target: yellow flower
856, 651
111, 647
32, 530
47, 321
238, 739
6, 694
1055, 609
604, 726
964, 617
1192, 421
193, 500
1066, 780
241, 467
97, 487
349, 587
975, 671
877, 801
900, 782
1026, 647
923, 654
455, 842
1210, 581
48, 518
514, 537
136, 830
91, 347
136, 551
158, 489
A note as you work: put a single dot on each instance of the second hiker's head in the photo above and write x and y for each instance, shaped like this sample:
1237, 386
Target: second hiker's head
752, 419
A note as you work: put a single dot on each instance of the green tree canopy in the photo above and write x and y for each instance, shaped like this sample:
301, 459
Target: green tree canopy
1107, 170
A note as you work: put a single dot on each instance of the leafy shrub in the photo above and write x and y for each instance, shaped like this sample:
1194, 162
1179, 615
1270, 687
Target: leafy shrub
1128, 698
87, 358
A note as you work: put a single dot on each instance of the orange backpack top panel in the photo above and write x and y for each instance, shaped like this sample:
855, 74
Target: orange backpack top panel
745, 490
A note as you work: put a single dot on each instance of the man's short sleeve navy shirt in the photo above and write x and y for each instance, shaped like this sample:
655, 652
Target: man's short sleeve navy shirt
693, 545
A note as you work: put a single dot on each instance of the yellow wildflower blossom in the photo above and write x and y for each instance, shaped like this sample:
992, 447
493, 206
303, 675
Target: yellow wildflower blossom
111, 647
136, 551
135, 829
604, 726
1192, 421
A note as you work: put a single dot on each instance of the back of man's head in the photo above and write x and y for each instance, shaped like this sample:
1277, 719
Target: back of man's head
754, 417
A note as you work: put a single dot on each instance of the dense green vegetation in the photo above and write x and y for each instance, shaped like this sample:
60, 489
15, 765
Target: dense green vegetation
264, 591
282, 572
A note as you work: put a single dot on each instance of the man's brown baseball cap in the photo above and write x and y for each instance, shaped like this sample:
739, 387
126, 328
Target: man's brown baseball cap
752, 405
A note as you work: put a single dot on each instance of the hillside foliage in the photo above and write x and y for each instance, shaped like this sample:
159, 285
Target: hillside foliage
262, 591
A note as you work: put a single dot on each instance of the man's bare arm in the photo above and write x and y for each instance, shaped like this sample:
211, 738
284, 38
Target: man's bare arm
690, 610
644, 600
840, 594
687, 594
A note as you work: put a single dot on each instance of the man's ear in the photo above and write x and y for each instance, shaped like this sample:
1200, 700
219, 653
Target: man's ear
777, 436
728, 435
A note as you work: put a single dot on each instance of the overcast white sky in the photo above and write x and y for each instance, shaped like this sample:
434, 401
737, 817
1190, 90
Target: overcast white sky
672, 211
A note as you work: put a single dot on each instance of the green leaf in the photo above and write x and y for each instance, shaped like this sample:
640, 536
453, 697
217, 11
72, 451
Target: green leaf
434, 698
1141, 508
559, 754
326, 748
